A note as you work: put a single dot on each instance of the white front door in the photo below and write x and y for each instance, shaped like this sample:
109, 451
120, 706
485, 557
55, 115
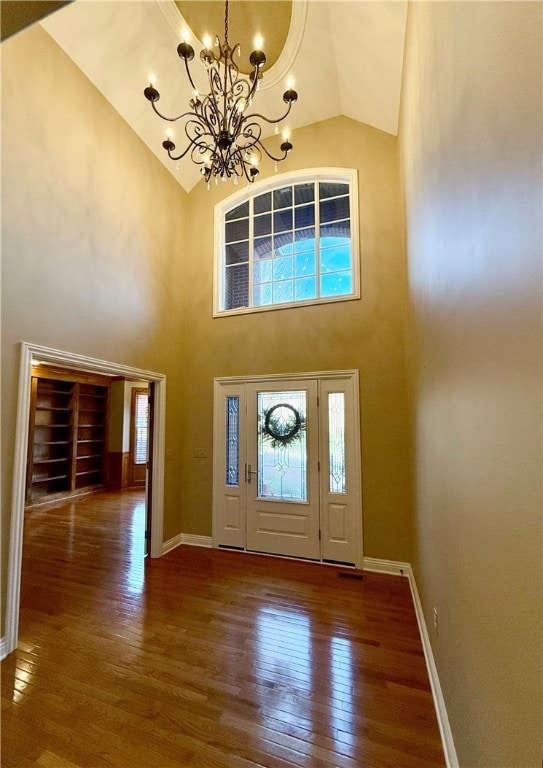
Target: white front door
286, 466
282, 469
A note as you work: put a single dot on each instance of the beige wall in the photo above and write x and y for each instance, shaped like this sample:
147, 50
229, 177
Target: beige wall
120, 413
365, 334
471, 138
92, 237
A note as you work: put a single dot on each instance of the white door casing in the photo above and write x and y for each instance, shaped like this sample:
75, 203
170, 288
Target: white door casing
329, 526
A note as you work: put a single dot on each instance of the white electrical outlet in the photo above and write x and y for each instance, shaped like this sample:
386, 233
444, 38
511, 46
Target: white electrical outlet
436, 627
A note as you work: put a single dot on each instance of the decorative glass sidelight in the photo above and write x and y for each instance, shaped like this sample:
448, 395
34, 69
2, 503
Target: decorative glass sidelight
282, 446
232, 440
336, 441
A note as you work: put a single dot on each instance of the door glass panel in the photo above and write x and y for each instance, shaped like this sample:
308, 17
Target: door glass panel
232, 440
282, 446
336, 441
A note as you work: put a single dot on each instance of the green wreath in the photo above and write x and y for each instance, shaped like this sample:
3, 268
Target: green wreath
280, 429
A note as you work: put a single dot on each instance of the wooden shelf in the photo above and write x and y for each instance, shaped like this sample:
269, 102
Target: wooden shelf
76, 411
51, 442
48, 479
51, 408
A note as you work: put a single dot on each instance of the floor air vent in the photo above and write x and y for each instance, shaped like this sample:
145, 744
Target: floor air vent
350, 575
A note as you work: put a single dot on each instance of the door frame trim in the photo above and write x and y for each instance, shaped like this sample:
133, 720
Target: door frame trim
34, 353
352, 374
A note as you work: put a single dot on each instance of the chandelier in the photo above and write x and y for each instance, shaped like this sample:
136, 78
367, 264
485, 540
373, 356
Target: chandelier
224, 138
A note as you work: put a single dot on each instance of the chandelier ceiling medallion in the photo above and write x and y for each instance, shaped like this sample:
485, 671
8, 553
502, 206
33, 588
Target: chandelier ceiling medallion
224, 139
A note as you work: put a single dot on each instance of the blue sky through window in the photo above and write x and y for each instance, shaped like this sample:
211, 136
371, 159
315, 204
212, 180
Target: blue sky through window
335, 278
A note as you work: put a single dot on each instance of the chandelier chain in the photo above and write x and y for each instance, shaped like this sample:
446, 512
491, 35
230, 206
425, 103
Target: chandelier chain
226, 23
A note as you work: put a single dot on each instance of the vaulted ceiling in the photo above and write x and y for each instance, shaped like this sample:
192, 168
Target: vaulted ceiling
346, 58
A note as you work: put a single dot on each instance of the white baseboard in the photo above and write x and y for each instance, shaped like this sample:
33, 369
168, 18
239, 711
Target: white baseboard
386, 566
167, 546
404, 569
451, 759
3, 648
186, 538
196, 541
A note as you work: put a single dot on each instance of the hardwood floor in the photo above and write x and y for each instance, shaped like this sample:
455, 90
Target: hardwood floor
205, 658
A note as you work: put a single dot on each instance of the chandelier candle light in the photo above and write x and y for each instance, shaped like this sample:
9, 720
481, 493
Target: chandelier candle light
222, 138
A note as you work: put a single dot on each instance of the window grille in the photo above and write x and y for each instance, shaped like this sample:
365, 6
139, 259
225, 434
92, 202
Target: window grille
289, 244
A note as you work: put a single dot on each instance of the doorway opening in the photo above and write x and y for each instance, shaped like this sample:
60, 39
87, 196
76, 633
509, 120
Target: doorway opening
287, 466
31, 355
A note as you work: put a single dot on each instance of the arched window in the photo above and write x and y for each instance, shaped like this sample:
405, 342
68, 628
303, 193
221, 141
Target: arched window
289, 241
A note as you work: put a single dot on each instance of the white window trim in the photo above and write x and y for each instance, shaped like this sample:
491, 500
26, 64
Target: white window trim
344, 175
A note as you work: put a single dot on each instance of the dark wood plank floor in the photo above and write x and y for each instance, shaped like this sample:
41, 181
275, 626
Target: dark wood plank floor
205, 658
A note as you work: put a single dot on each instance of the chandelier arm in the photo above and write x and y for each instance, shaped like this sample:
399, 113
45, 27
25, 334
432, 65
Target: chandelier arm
239, 100
202, 137
263, 117
236, 162
194, 88
245, 168
191, 145
227, 86
233, 94
250, 171
254, 82
213, 97
200, 142
182, 155
235, 122
210, 116
194, 142
173, 119
237, 156
272, 157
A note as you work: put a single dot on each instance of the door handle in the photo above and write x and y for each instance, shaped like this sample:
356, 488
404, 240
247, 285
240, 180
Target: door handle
249, 472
